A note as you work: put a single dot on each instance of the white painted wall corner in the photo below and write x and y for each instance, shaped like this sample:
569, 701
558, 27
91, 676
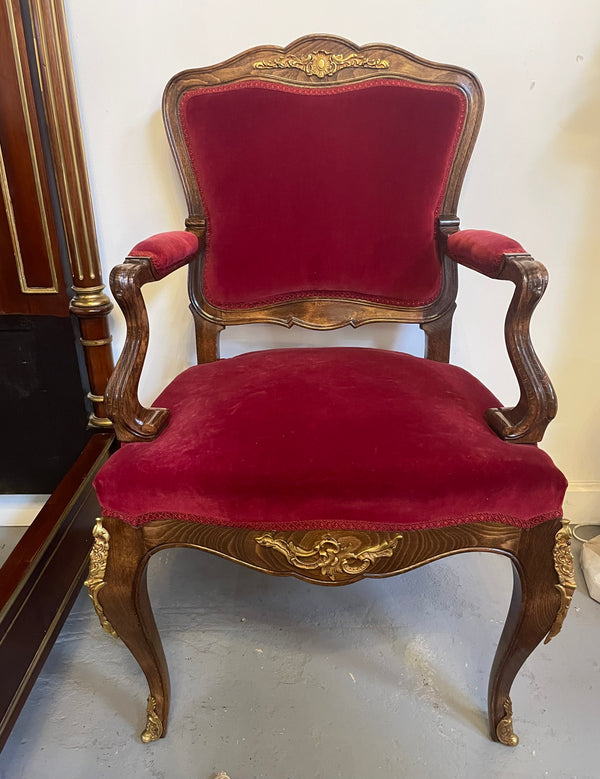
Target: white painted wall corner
582, 502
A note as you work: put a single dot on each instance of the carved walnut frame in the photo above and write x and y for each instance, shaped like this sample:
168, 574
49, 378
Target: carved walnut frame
542, 563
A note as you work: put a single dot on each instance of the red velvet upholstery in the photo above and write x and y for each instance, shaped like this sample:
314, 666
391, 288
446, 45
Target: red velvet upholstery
329, 438
167, 251
482, 250
330, 191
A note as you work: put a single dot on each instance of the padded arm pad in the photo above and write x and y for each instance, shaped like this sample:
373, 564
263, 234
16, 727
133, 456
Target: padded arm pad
482, 250
167, 251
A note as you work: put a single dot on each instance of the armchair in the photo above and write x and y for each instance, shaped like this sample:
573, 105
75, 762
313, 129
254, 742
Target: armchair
322, 183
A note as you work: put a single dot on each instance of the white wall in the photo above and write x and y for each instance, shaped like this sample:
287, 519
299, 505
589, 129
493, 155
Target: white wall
535, 174
20, 510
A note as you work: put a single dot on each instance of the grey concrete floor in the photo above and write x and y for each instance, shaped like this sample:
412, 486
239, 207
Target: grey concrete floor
279, 679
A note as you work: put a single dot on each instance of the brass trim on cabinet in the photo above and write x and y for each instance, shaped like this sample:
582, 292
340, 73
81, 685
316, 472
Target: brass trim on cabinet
77, 225
25, 287
102, 422
96, 341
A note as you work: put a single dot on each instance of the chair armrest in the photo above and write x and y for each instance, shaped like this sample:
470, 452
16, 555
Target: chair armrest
167, 251
149, 260
482, 250
502, 258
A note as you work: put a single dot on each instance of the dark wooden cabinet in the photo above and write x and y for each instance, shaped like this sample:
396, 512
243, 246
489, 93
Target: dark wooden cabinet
41, 393
44, 386
31, 279
55, 352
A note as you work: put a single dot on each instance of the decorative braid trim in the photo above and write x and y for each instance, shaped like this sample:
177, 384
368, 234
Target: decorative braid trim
336, 524
259, 82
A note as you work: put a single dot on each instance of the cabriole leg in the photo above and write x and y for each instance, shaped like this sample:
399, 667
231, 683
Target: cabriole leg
542, 590
117, 587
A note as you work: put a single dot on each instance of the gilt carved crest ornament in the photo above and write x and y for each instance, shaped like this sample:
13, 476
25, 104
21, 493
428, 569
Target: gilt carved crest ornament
322, 63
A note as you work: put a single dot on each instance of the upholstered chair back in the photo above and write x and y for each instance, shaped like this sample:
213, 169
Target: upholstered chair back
322, 185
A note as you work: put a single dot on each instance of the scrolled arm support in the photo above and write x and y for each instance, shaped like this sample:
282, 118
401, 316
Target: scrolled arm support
500, 257
132, 422
537, 406
150, 260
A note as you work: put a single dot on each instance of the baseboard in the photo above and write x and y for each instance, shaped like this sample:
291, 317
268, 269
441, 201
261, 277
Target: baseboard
582, 502
20, 510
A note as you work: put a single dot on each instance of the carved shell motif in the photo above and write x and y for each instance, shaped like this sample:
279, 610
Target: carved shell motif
322, 63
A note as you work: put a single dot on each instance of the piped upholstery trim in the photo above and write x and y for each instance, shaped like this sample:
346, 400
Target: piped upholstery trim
337, 524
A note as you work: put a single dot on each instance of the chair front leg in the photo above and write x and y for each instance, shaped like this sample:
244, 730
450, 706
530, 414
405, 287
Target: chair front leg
117, 586
542, 591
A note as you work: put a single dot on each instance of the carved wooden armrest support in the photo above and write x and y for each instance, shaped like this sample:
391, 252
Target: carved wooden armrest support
150, 260
500, 257
132, 422
528, 420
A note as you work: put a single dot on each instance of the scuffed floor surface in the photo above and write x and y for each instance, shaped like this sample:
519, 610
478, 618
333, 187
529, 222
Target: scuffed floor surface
279, 679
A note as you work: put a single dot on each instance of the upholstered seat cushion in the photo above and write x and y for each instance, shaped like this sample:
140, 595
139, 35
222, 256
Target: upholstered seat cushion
329, 438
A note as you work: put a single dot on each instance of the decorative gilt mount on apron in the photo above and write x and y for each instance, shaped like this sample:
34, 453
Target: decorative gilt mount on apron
336, 556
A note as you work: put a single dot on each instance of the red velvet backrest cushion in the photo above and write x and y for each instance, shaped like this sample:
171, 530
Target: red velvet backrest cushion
329, 192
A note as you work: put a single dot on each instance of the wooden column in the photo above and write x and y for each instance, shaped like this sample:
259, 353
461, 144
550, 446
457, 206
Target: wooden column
89, 304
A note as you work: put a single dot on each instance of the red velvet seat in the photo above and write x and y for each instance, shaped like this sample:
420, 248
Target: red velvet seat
329, 438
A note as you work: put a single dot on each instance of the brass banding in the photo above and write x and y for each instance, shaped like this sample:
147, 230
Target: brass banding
96, 341
25, 288
89, 297
103, 422
87, 290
